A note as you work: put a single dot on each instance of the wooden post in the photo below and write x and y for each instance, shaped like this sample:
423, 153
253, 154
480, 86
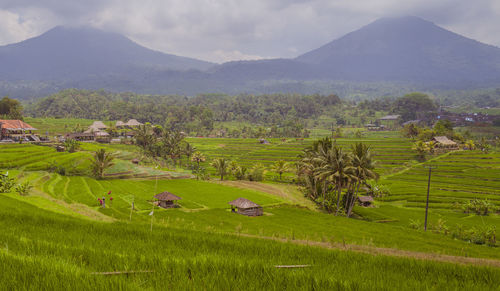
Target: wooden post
428, 190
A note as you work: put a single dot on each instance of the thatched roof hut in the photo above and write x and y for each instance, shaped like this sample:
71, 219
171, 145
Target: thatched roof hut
246, 207
444, 141
167, 199
390, 117
120, 123
98, 125
365, 201
133, 123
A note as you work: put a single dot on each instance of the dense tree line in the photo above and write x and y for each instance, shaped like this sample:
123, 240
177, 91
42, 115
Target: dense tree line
285, 111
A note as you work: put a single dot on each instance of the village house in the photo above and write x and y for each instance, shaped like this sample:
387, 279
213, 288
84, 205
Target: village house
391, 121
132, 123
17, 130
444, 142
365, 201
246, 207
166, 199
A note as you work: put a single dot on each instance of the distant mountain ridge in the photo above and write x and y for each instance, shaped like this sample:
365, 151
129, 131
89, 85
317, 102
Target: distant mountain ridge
406, 50
64, 53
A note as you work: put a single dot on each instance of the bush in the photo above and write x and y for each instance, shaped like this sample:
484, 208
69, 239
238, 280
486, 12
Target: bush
24, 189
6, 183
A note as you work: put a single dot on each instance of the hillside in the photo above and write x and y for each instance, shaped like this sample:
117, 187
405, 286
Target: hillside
65, 53
387, 57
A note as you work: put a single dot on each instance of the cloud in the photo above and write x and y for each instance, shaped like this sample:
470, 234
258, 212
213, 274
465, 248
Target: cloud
226, 30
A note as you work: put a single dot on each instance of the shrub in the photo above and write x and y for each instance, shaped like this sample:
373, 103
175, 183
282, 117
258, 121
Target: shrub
24, 188
6, 183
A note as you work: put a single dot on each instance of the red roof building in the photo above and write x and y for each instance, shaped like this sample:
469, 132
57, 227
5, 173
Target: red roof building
15, 129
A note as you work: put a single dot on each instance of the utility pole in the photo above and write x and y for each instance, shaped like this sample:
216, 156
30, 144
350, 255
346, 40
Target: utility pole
428, 189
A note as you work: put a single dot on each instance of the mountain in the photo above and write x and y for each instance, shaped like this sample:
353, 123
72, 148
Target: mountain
406, 49
65, 53
387, 57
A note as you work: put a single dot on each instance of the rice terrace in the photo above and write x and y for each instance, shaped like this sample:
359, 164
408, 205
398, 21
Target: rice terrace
370, 162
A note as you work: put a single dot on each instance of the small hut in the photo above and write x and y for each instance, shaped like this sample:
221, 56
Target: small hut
167, 199
365, 201
445, 142
133, 123
246, 207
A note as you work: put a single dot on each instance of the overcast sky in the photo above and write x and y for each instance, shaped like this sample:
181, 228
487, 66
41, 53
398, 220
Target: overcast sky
223, 30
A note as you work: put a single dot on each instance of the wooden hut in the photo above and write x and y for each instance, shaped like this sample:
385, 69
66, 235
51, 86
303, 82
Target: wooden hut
365, 201
166, 199
444, 142
246, 207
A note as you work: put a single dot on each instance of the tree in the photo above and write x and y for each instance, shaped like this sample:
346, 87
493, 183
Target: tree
101, 161
11, 108
221, 165
421, 149
414, 106
189, 150
280, 167
362, 169
470, 145
71, 145
198, 158
144, 138
411, 130
335, 167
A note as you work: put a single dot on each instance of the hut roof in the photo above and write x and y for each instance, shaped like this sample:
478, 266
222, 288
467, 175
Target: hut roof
15, 125
243, 203
365, 199
79, 134
101, 133
133, 122
444, 140
120, 123
98, 125
416, 121
390, 117
167, 196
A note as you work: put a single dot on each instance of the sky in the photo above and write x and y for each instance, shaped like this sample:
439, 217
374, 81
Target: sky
225, 30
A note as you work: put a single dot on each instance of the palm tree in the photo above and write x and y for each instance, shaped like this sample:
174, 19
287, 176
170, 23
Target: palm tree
280, 167
189, 151
470, 145
198, 158
221, 166
101, 161
362, 170
335, 168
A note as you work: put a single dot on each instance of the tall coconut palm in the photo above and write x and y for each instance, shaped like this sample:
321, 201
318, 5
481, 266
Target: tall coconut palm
335, 167
189, 151
102, 160
221, 165
362, 169
198, 158
280, 167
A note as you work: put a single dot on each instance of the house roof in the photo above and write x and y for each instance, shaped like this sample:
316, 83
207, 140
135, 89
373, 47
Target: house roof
365, 199
98, 125
16, 125
120, 123
411, 122
78, 134
101, 133
390, 117
166, 196
243, 203
444, 140
133, 122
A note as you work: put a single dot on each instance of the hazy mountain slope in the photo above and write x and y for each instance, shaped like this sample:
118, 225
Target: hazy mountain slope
406, 48
68, 53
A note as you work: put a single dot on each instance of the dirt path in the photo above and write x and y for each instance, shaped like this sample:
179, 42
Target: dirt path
286, 192
389, 252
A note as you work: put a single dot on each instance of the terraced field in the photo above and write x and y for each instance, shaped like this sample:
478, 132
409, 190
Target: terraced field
392, 153
460, 176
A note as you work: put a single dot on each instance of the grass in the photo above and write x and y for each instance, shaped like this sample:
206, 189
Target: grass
42, 250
